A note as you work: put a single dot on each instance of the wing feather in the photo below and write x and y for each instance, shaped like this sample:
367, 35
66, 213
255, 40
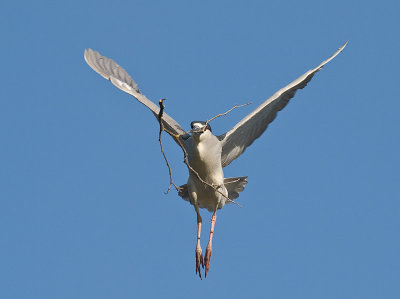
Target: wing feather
110, 70
243, 134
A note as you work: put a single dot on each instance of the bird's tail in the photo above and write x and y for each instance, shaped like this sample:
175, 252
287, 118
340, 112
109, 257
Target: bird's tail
233, 185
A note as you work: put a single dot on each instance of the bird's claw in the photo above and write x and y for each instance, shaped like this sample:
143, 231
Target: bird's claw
199, 261
207, 258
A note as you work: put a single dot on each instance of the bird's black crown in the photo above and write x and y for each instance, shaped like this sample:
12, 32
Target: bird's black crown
200, 122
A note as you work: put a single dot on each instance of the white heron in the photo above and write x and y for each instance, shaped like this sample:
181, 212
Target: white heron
208, 154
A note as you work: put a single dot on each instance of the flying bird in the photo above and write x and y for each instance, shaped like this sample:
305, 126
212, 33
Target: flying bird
208, 154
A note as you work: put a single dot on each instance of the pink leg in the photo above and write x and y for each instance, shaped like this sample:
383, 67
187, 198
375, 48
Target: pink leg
207, 256
199, 253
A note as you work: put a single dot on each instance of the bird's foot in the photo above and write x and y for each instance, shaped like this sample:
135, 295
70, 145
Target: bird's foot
207, 258
199, 261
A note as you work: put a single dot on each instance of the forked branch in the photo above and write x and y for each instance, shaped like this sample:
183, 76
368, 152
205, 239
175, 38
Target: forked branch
159, 117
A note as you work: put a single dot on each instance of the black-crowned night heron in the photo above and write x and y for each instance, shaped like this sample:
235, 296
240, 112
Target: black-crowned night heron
207, 153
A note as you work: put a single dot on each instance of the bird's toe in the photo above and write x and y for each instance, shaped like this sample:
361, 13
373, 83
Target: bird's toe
199, 261
207, 258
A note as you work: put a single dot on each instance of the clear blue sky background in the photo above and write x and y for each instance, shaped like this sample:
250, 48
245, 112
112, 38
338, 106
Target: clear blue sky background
82, 208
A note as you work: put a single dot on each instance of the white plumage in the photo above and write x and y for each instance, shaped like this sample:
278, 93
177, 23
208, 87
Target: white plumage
208, 154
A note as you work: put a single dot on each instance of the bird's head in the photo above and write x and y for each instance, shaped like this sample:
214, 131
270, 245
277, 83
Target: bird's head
199, 127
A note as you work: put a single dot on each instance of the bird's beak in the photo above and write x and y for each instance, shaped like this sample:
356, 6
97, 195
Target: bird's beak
197, 131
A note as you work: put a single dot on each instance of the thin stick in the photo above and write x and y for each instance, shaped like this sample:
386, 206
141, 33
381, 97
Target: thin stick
159, 117
222, 114
234, 181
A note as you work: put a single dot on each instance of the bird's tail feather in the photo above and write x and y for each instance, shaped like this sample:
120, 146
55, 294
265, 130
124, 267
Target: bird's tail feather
233, 185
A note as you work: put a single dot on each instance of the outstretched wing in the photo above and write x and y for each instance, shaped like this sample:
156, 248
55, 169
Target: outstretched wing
235, 141
110, 70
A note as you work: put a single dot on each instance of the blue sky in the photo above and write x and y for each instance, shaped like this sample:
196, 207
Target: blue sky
82, 208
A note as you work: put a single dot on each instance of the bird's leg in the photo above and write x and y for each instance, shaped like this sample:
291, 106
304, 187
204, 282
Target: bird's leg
207, 256
199, 253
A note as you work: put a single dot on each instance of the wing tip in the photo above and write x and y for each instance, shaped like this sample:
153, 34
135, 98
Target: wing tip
88, 51
340, 49
86, 54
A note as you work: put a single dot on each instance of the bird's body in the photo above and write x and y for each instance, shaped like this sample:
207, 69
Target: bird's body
204, 155
207, 153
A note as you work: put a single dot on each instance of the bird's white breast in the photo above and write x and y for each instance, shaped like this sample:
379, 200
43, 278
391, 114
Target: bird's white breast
204, 155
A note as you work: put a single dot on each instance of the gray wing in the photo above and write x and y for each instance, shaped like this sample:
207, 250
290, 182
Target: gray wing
110, 70
235, 141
